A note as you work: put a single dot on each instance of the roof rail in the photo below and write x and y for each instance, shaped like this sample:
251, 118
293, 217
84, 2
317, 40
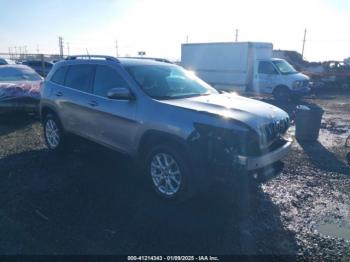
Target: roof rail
164, 60
106, 57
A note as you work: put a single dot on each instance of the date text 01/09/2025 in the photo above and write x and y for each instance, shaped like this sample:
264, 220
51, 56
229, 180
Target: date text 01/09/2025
173, 258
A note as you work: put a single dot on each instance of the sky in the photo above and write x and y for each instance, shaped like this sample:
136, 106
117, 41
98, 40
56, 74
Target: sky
159, 27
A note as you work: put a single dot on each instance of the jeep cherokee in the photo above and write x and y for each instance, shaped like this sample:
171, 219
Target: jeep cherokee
179, 126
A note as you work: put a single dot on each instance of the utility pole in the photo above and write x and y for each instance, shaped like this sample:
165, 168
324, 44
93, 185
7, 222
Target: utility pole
116, 48
68, 48
236, 35
186, 39
302, 51
60, 44
37, 49
25, 50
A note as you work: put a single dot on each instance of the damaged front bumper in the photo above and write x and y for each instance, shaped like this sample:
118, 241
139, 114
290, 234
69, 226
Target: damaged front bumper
251, 163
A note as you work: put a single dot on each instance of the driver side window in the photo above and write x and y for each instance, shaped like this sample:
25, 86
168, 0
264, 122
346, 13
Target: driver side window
107, 78
267, 68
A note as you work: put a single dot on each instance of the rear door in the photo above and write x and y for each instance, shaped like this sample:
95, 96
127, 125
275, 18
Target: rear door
115, 123
75, 99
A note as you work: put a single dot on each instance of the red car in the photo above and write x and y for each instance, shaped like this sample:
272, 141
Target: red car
19, 88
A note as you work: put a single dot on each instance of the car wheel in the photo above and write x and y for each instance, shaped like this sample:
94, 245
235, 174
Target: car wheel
53, 133
282, 93
169, 172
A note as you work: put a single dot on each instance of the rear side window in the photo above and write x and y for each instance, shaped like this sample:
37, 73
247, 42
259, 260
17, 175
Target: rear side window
267, 68
106, 78
60, 75
79, 77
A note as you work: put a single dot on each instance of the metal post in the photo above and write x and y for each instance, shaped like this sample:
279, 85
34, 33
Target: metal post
60, 44
302, 51
43, 64
116, 48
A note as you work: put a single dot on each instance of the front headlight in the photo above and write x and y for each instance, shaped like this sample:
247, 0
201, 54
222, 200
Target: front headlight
297, 84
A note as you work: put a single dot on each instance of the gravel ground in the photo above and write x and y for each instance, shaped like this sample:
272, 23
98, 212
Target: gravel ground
91, 200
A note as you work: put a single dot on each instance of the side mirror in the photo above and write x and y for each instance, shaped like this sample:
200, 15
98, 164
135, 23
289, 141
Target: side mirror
121, 93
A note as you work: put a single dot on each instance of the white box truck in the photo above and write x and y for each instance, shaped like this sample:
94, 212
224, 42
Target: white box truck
244, 66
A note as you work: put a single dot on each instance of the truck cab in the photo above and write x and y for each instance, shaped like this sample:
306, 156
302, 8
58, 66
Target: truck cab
278, 77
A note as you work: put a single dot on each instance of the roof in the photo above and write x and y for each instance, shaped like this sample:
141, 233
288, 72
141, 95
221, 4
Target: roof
125, 61
13, 68
231, 43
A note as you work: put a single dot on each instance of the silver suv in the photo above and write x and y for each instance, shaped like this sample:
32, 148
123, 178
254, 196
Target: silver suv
177, 125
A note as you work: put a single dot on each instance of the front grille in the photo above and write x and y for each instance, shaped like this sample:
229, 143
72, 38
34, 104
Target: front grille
275, 128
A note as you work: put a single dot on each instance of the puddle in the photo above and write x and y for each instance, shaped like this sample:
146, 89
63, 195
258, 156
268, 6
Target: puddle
338, 230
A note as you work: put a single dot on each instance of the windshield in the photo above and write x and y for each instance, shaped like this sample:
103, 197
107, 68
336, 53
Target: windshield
17, 74
284, 67
168, 82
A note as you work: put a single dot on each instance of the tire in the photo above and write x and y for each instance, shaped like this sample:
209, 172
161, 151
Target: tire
54, 134
162, 177
282, 93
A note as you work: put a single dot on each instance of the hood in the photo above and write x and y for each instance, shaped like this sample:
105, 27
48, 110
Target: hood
17, 89
300, 76
253, 113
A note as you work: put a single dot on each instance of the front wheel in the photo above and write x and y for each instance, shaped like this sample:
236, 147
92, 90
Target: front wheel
169, 172
282, 93
53, 133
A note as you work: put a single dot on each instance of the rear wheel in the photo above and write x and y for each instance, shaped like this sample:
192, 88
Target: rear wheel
54, 133
169, 172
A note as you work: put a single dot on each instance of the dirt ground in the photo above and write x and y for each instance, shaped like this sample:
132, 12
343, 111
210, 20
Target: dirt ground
91, 201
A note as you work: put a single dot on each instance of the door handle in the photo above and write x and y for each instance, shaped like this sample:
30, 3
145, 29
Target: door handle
93, 103
59, 93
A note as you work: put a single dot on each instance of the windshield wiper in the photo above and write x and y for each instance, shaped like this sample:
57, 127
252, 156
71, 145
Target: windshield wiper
163, 97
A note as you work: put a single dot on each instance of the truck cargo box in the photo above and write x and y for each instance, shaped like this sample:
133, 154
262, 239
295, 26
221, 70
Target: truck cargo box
226, 66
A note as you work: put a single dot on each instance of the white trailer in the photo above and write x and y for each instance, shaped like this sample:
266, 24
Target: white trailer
243, 66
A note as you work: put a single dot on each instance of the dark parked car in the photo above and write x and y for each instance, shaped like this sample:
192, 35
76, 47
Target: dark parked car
4, 61
41, 68
176, 125
19, 88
